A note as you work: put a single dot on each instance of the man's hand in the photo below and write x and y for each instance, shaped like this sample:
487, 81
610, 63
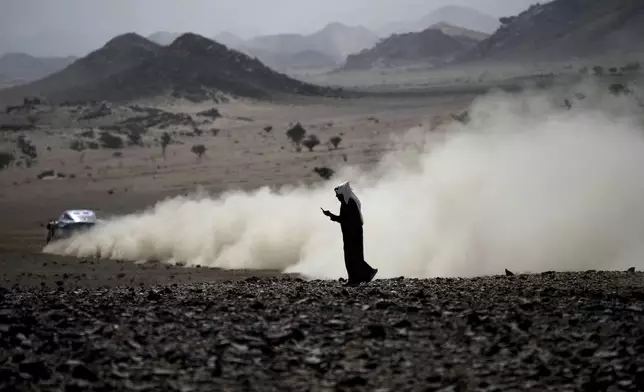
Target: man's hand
325, 212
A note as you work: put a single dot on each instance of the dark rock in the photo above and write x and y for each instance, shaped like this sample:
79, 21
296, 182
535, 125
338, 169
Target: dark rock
35, 368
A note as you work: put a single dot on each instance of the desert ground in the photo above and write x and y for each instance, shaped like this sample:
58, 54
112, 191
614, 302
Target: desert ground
76, 324
249, 149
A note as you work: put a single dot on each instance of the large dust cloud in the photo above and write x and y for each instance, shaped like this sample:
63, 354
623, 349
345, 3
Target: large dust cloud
526, 185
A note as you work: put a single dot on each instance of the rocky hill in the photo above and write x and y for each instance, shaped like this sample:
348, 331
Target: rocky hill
564, 28
19, 68
116, 56
130, 67
431, 46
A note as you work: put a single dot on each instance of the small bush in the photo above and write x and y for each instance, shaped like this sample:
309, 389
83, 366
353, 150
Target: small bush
296, 134
135, 134
598, 70
199, 150
108, 140
618, 88
88, 134
324, 172
77, 145
463, 118
335, 141
311, 142
268, 128
6, 158
26, 147
215, 131
212, 113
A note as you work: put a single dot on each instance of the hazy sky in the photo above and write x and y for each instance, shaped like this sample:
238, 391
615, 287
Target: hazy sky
85, 24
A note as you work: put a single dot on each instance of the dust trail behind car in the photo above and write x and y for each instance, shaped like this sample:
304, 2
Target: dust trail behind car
527, 184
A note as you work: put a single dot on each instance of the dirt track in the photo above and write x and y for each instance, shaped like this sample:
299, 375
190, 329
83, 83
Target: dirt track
560, 332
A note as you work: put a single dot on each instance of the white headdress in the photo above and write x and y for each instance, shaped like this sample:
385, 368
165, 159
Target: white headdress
347, 193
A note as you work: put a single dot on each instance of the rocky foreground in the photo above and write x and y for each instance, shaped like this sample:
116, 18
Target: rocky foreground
552, 331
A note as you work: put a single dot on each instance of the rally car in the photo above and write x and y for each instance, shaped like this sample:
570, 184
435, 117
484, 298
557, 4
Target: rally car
70, 222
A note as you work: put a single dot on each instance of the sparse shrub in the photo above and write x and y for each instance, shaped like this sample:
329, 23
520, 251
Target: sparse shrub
618, 88
108, 140
324, 172
268, 128
199, 150
463, 118
6, 158
50, 174
215, 131
165, 141
197, 131
77, 145
598, 70
212, 113
101, 111
335, 141
135, 134
296, 134
311, 142
26, 147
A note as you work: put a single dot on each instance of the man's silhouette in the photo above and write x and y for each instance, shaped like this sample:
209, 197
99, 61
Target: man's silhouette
351, 222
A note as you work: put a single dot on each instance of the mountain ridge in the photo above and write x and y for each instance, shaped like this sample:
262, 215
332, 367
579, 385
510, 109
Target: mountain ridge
191, 65
431, 46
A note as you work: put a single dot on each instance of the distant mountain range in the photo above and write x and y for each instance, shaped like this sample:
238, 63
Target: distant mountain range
20, 68
464, 17
130, 67
325, 48
437, 45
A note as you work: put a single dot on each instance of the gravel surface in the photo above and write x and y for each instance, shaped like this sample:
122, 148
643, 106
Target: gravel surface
551, 331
